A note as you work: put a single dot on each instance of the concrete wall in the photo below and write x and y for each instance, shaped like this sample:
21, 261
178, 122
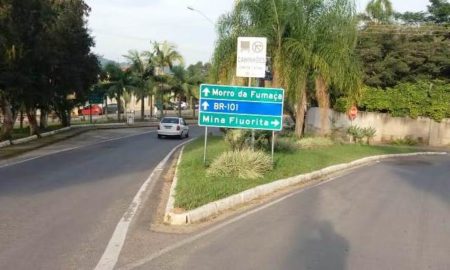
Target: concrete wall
388, 128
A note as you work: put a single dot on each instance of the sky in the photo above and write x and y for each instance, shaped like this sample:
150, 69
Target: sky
122, 25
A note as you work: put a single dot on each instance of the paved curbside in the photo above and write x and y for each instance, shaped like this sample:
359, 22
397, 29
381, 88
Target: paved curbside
169, 216
5, 143
215, 208
24, 140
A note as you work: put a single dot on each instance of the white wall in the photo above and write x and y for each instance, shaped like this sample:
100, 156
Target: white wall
388, 128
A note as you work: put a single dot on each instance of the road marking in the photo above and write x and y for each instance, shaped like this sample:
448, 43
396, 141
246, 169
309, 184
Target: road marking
115, 244
224, 224
73, 148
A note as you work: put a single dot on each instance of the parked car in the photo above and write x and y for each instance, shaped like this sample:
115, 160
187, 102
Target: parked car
94, 109
173, 126
112, 108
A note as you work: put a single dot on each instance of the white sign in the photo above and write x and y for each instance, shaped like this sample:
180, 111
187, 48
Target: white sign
251, 57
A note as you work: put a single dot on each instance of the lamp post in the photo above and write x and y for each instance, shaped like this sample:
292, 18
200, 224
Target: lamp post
201, 13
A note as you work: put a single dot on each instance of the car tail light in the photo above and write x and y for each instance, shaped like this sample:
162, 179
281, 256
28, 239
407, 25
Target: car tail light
178, 127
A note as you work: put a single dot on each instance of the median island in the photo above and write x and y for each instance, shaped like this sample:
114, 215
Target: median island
199, 184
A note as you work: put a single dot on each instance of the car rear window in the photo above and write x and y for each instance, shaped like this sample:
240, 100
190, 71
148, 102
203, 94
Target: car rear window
170, 121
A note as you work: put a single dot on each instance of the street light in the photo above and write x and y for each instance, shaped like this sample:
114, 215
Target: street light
201, 13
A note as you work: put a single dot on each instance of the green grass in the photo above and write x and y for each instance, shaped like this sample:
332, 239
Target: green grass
195, 189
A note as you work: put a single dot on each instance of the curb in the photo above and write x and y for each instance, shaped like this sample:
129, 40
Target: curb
32, 138
169, 217
216, 207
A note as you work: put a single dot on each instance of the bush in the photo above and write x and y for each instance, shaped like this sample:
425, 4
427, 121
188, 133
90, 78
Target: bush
285, 145
237, 138
408, 140
369, 133
314, 142
356, 132
244, 164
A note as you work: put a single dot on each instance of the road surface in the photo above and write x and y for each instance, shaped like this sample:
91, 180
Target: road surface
59, 209
393, 215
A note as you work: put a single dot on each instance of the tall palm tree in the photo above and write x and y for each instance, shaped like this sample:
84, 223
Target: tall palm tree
180, 85
118, 81
142, 73
164, 56
380, 11
307, 39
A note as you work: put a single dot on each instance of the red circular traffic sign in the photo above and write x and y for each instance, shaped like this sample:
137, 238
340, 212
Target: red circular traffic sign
352, 113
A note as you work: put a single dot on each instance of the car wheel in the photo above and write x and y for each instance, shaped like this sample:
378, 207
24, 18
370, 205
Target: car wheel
159, 136
187, 134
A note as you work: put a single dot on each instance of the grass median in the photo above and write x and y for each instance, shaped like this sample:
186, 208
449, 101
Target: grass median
195, 189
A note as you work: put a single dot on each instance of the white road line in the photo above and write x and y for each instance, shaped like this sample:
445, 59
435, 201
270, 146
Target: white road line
220, 226
115, 244
73, 148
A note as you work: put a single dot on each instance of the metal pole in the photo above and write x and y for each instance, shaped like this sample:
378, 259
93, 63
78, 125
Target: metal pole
204, 148
253, 131
273, 144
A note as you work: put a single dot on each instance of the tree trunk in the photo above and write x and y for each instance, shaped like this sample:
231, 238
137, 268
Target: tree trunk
142, 106
8, 119
323, 99
21, 118
64, 117
31, 115
300, 112
151, 106
179, 105
118, 107
43, 121
193, 107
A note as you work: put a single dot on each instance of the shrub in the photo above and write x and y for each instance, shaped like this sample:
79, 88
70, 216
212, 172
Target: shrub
285, 145
369, 133
408, 140
314, 142
237, 138
244, 164
356, 133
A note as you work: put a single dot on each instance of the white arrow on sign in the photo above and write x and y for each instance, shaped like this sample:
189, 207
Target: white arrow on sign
206, 92
275, 123
205, 105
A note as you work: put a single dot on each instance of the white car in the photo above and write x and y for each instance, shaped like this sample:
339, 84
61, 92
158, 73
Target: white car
173, 126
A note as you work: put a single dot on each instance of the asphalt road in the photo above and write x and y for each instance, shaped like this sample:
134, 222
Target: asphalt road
59, 209
393, 215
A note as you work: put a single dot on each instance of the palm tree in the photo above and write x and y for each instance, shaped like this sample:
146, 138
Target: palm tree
380, 11
118, 81
298, 33
180, 85
164, 55
142, 72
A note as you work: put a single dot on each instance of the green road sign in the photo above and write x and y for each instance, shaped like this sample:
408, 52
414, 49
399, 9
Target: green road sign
95, 99
241, 107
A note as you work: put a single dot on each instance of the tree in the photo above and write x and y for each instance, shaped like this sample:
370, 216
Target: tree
439, 11
142, 73
196, 75
165, 55
380, 11
297, 35
118, 82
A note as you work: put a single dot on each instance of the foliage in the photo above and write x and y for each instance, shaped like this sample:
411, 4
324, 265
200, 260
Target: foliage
314, 142
405, 141
380, 10
287, 145
46, 55
356, 132
237, 138
308, 41
428, 99
397, 53
243, 164
369, 133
